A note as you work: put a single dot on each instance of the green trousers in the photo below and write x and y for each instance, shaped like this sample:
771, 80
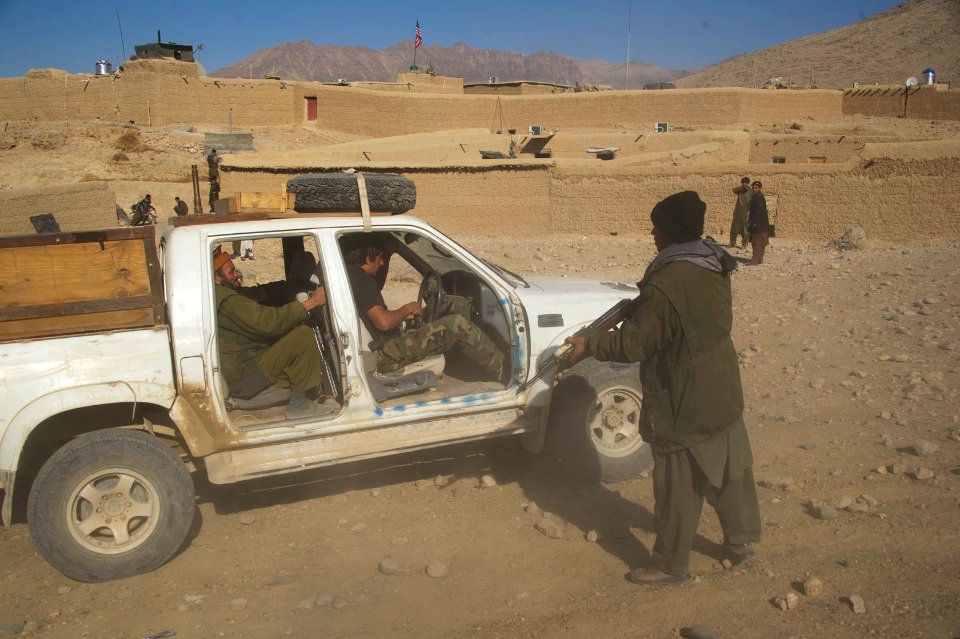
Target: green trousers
738, 229
679, 488
293, 361
439, 337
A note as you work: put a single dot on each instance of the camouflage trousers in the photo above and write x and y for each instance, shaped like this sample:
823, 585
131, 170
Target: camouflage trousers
439, 337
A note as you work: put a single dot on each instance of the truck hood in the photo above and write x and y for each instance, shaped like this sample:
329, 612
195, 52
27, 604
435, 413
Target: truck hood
558, 306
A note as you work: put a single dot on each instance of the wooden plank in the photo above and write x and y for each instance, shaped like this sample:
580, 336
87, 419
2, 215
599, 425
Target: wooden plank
52, 274
122, 233
74, 324
13, 313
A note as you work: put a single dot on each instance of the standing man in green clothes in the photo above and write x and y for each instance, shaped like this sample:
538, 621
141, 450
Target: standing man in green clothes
263, 345
692, 397
738, 227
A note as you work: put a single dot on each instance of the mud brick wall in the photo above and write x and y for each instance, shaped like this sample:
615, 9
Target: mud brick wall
799, 149
76, 207
934, 102
888, 198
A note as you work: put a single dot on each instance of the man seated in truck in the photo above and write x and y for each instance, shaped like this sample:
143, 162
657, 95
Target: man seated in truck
396, 348
263, 345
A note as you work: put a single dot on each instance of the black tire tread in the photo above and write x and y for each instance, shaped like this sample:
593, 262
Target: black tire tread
323, 192
114, 447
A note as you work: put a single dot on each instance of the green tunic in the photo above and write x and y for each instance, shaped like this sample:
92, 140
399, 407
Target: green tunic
692, 407
251, 334
739, 223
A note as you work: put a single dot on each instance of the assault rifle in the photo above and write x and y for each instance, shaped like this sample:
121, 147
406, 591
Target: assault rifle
619, 312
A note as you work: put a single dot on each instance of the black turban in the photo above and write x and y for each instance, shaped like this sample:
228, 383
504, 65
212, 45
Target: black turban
680, 216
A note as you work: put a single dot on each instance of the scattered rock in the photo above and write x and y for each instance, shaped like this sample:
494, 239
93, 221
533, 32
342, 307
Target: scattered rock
699, 631
30, 627
375, 492
549, 527
247, 518
897, 469
307, 604
854, 239
592, 536
338, 602
62, 590
788, 601
281, 579
389, 566
813, 587
924, 447
193, 598
856, 604
238, 604
357, 527
437, 569
786, 484
323, 600
823, 511
487, 481
531, 508
923, 474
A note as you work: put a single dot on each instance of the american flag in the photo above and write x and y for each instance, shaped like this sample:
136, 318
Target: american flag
418, 38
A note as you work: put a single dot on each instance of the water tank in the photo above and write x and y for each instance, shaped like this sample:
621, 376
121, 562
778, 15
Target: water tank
928, 76
103, 68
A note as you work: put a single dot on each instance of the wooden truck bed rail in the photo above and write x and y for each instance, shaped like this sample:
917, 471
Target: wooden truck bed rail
70, 283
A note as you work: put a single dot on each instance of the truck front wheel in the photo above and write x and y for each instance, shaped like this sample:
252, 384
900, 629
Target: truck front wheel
596, 420
111, 504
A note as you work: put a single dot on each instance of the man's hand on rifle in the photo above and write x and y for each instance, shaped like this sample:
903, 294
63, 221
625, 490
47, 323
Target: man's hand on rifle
579, 344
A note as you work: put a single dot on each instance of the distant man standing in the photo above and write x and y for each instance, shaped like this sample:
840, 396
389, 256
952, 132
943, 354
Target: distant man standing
213, 165
758, 223
181, 207
692, 396
738, 227
214, 192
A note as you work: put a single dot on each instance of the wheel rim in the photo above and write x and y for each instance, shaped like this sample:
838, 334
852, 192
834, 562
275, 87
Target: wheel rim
113, 511
614, 421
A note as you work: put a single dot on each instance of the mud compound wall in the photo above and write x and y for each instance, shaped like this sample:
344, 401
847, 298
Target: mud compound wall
76, 207
152, 93
375, 115
164, 92
934, 102
892, 200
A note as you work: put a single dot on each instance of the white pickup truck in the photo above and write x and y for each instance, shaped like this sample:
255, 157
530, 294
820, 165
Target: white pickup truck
111, 390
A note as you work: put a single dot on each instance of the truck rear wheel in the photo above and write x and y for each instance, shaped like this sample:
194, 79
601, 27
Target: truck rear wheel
322, 192
596, 421
111, 504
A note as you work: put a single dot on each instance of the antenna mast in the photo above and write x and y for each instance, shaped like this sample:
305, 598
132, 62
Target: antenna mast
626, 79
123, 48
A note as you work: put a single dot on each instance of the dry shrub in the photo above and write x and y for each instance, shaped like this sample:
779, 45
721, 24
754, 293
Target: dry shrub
119, 156
129, 142
48, 142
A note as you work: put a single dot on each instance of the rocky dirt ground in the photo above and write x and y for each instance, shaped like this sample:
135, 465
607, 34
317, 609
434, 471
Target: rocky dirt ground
850, 366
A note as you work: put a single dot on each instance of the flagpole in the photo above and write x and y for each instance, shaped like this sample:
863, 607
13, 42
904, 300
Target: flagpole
415, 45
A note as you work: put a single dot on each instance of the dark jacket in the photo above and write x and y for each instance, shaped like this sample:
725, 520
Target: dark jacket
689, 369
757, 220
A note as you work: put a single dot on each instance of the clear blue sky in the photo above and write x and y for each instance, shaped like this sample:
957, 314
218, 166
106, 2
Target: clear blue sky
678, 34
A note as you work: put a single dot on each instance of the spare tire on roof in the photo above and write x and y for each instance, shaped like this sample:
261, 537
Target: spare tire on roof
326, 192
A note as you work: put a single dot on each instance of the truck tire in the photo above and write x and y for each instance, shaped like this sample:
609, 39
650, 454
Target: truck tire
595, 420
323, 192
111, 504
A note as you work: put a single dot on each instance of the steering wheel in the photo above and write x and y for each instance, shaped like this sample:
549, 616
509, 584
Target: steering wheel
431, 297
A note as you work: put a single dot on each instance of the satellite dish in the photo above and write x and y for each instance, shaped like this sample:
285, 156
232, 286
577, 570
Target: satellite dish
912, 81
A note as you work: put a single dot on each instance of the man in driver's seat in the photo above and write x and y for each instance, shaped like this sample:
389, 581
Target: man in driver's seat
396, 348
